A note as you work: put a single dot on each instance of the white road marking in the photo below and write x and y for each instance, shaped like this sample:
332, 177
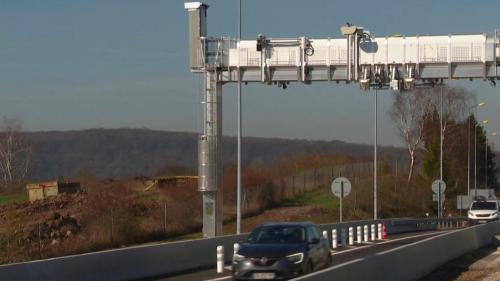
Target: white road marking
418, 242
384, 242
220, 278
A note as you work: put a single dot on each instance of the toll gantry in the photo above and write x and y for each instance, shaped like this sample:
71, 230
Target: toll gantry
394, 62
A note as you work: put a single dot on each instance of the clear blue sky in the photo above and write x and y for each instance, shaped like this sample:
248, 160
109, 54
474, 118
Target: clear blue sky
67, 65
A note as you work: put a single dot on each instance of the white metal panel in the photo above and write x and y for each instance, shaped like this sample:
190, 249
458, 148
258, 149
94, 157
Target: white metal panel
398, 50
284, 56
321, 48
411, 53
489, 49
248, 54
338, 51
395, 49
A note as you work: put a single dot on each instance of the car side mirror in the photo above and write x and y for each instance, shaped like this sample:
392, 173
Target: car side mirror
314, 241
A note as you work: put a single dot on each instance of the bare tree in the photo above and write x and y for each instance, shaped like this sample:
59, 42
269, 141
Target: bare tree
408, 112
457, 104
15, 153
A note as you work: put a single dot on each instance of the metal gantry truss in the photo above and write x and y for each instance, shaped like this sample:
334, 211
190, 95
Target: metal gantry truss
391, 62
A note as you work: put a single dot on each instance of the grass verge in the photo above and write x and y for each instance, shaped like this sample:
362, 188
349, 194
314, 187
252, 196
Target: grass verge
12, 198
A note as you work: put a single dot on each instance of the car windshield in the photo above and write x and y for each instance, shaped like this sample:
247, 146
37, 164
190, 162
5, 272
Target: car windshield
484, 206
278, 234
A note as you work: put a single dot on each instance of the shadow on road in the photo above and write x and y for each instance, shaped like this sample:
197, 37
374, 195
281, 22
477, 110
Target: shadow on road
452, 270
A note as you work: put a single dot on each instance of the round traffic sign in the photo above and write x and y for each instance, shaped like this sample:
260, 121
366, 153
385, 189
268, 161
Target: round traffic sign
341, 185
436, 184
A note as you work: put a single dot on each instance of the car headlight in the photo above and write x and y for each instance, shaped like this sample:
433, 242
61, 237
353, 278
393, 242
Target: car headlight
471, 214
494, 215
295, 258
238, 258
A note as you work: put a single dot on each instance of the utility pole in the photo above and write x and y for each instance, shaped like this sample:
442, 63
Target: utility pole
479, 105
468, 158
375, 216
441, 137
485, 160
475, 159
238, 176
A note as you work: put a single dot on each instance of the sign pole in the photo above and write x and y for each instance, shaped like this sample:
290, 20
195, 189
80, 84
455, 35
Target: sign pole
341, 187
439, 201
341, 197
461, 205
438, 188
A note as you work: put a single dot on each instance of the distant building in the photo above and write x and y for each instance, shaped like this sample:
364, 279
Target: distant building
42, 190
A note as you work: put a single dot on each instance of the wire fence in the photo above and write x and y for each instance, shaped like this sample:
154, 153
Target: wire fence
111, 218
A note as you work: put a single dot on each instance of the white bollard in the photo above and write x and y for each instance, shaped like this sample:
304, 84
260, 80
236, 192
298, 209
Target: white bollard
358, 234
220, 259
343, 237
334, 239
379, 231
365, 230
351, 236
373, 232
325, 234
236, 247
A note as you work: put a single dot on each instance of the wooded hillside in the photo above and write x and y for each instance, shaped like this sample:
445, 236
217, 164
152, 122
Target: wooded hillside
120, 153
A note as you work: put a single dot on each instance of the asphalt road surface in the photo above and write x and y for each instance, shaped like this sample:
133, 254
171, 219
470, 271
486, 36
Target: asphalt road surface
340, 255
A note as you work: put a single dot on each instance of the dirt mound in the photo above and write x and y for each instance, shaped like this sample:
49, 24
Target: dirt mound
26, 227
55, 229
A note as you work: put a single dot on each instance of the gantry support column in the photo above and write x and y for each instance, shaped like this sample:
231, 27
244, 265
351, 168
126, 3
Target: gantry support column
210, 156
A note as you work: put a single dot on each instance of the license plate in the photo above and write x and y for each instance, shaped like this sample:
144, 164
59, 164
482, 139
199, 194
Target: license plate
263, 275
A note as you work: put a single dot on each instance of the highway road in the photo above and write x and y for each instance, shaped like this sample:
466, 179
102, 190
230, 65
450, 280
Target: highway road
342, 255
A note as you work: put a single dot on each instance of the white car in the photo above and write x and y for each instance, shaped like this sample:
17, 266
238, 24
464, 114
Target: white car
483, 211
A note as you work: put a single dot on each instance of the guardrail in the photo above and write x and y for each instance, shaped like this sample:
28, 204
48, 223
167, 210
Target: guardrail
167, 258
412, 261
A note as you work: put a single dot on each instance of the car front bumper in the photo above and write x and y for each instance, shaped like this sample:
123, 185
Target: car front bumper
483, 219
281, 269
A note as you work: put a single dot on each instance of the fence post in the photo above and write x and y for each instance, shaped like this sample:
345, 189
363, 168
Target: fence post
112, 224
236, 248
314, 176
220, 259
334, 238
165, 216
39, 242
305, 177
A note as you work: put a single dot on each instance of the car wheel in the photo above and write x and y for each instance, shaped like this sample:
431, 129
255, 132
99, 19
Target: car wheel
308, 268
329, 260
